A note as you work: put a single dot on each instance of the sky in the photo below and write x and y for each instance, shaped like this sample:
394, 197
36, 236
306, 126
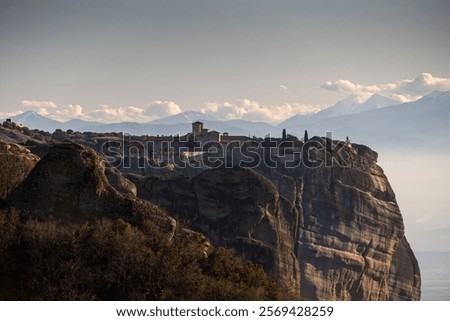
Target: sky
138, 60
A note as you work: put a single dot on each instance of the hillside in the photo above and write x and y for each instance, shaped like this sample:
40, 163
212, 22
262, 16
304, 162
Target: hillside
67, 234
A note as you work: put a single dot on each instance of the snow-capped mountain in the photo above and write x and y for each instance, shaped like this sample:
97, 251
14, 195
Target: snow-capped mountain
348, 106
352, 105
376, 101
34, 120
419, 123
293, 121
375, 122
189, 116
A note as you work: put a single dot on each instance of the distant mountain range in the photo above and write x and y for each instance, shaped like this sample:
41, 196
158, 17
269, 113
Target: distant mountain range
185, 117
437, 240
347, 106
379, 121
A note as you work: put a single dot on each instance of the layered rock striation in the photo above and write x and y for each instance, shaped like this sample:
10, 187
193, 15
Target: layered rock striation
236, 208
330, 232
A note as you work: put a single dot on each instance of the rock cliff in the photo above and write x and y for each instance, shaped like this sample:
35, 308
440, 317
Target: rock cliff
235, 208
333, 232
16, 163
328, 232
70, 184
404, 275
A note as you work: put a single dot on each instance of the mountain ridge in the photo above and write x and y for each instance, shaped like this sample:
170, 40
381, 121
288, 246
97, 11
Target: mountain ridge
424, 120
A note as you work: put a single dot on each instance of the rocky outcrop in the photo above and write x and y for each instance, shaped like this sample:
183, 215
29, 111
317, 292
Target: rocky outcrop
352, 227
13, 136
16, 162
70, 184
331, 232
119, 182
236, 208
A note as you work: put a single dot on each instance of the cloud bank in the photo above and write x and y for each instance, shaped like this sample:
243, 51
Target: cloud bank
241, 109
9, 115
247, 109
252, 110
104, 113
39, 104
160, 108
403, 90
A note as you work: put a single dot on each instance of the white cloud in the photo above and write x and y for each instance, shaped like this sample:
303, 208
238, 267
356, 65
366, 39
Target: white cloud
69, 112
109, 114
63, 113
342, 85
241, 109
425, 83
38, 103
155, 110
104, 113
251, 110
9, 115
404, 90
160, 108
43, 111
50, 109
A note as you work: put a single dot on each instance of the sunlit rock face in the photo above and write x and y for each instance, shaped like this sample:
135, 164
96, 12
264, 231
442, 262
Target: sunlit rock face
329, 232
119, 182
351, 229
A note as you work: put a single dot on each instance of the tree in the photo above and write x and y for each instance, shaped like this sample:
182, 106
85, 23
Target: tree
305, 138
284, 134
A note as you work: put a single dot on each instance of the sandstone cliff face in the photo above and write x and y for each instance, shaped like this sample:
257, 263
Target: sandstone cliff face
69, 183
331, 232
16, 162
236, 208
352, 228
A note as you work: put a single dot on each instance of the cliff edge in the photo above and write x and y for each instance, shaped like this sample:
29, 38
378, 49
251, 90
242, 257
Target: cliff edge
330, 232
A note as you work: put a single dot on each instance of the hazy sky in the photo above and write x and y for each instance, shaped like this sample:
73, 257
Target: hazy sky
134, 60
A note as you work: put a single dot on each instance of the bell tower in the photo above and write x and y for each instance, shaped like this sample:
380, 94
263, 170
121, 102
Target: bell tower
197, 127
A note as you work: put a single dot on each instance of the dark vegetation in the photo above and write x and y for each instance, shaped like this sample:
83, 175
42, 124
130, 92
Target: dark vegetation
112, 260
58, 135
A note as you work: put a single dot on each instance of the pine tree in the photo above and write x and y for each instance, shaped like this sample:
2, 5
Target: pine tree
305, 138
